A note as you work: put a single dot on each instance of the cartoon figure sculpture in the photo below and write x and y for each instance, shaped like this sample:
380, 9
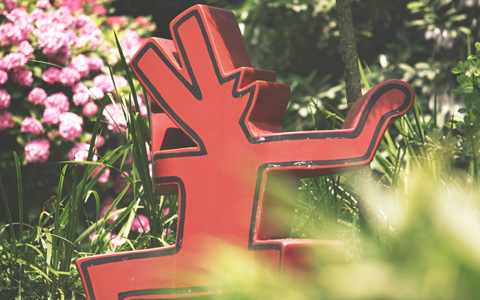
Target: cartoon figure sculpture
218, 140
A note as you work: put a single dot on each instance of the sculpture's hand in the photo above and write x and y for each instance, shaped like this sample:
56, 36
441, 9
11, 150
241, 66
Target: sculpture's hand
200, 77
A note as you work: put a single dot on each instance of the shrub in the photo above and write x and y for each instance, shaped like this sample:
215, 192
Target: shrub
55, 64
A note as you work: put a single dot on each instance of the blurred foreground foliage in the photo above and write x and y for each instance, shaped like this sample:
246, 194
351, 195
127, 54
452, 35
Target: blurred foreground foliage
429, 249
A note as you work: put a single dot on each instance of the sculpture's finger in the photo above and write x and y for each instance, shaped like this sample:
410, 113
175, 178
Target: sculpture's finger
210, 42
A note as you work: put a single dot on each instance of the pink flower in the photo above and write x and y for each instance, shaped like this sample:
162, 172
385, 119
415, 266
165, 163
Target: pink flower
96, 93
3, 62
64, 16
19, 27
26, 49
37, 14
80, 152
93, 236
116, 22
95, 63
166, 211
44, 20
51, 75
130, 44
142, 21
107, 204
51, 115
10, 34
89, 35
20, 19
19, 16
82, 20
52, 40
6, 120
104, 177
59, 101
98, 10
141, 224
4, 99
105, 83
31, 125
117, 241
69, 76
80, 98
10, 4
90, 109
24, 77
3, 77
15, 60
80, 63
83, 94
37, 150
44, 4
99, 141
114, 240
115, 117
70, 126
80, 87
72, 5
37, 96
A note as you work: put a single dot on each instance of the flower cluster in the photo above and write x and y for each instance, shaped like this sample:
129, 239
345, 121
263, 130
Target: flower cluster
140, 224
64, 91
58, 74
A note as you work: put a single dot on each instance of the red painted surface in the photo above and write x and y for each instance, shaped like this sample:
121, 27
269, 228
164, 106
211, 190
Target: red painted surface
218, 139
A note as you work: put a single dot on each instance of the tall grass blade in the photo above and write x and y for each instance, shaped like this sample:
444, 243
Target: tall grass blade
9, 218
127, 73
20, 194
434, 116
474, 158
59, 200
416, 111
56, 244
363, 76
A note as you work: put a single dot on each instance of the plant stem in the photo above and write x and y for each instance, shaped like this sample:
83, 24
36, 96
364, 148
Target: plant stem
475, 170
349, 52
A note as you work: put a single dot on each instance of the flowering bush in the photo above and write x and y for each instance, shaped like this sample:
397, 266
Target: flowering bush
59, 74
55, 72
55, 57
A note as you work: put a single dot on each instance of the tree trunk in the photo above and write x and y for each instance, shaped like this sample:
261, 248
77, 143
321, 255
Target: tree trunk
349, 51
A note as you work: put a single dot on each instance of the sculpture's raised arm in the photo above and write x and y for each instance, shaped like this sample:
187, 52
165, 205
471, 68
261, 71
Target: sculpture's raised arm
354, 144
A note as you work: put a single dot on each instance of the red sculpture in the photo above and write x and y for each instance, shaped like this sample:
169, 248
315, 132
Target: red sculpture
218, 141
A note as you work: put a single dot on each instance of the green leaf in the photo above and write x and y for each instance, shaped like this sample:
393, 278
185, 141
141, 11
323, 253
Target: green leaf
456, 71
415, 6
20, 193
